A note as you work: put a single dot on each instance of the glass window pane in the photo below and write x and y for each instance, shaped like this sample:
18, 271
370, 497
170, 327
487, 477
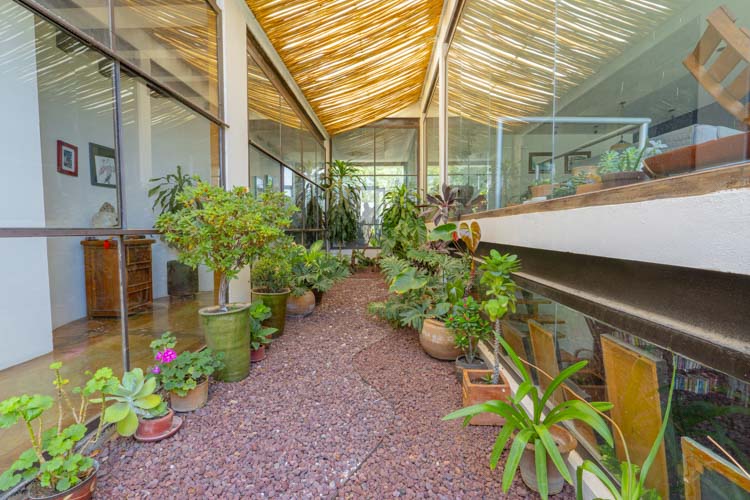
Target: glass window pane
264, 172
60, 167
176, 43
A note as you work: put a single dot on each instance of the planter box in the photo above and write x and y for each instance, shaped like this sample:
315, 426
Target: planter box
475, 392
731, 149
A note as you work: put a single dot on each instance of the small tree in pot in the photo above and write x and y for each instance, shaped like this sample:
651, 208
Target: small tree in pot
469, 329
225, 230
272, 281
342, 186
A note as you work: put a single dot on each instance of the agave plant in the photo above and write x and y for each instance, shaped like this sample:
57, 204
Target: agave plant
134, 397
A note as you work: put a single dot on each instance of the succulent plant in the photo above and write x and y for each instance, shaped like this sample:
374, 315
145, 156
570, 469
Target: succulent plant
134, 397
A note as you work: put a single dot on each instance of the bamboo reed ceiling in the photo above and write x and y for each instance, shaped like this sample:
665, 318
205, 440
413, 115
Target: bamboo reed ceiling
356, 61
502, 59
264, 99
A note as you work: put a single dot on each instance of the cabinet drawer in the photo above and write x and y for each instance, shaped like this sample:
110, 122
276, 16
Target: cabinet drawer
138, 254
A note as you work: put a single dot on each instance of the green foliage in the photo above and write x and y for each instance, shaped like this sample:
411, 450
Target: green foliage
169, 188
134, 397
259, 334
469, 327
399, 213
342, 187
628, 159
360, 260
541, 181
272, 272
408, 234
187, 370
53, 458
632, 477
534, 427
441, 206
224, 230
316, 269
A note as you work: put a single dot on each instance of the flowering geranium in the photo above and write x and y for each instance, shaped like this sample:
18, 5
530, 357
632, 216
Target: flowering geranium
180, 374
166, 356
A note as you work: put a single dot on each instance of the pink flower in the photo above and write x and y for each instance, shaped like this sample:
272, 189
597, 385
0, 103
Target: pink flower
166, 356
156, 370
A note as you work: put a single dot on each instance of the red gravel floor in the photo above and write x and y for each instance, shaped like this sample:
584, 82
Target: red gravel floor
343, 406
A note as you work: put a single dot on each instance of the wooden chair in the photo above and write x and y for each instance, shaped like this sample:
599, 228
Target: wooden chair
723, 33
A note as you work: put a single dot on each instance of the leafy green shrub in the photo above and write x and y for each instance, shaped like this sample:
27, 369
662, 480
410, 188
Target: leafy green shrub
272, 272
342, 187
316, 269
168, 190
224, 230
469, 327
629, 159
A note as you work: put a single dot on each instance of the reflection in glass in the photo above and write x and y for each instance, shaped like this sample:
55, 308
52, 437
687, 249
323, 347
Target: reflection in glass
174, 43
59, 169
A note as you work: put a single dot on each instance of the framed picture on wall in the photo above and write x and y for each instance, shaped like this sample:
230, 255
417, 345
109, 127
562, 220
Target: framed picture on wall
103, 166
542, 160
67, 159
572, 159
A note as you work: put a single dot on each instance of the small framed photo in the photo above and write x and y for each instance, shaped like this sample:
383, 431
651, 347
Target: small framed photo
572, 158
67, 159
541, 160
103, 166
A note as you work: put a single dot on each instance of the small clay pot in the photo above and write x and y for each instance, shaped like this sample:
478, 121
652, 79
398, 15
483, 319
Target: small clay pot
299, 307
258, 355
81, 491
475, 392
438, 341
194, 399
462, 364
542, 190
589, 188
565, 444
617, 179
151, 428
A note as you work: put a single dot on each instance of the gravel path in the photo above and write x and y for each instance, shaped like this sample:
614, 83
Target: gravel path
343, 406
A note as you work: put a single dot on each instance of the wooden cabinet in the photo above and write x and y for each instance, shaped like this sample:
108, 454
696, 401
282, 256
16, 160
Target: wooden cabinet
103, 278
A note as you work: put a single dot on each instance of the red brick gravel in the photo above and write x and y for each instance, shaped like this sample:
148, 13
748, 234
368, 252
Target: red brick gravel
343, 406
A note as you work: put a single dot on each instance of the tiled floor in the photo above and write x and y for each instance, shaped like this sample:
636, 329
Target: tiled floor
91, 344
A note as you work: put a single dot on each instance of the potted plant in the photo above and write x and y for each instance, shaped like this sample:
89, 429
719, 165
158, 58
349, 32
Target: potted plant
542, 188
538, 441
260, 336
317, 270
225, 230
301, 301
182, 280
483, 385
469, 329
342, 187
60, 462
185, 376
624, 167
137, 410
272, 281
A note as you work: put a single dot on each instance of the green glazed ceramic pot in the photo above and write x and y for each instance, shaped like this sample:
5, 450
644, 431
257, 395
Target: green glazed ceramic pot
277, 303
229, 333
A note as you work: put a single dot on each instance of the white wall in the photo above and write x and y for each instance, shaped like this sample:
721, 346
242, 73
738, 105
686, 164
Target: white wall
25, 329
235, 105
704, 232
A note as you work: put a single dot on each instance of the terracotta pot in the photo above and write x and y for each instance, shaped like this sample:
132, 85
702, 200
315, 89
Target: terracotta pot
277, 302
194, 399
151, 428
81, 491
462, 364
438, 341
723, 151
590, 171
589, 188
476, 392
299, 307
258, 355
617, 179
565, 443
229, 333
542, 190
318, 296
